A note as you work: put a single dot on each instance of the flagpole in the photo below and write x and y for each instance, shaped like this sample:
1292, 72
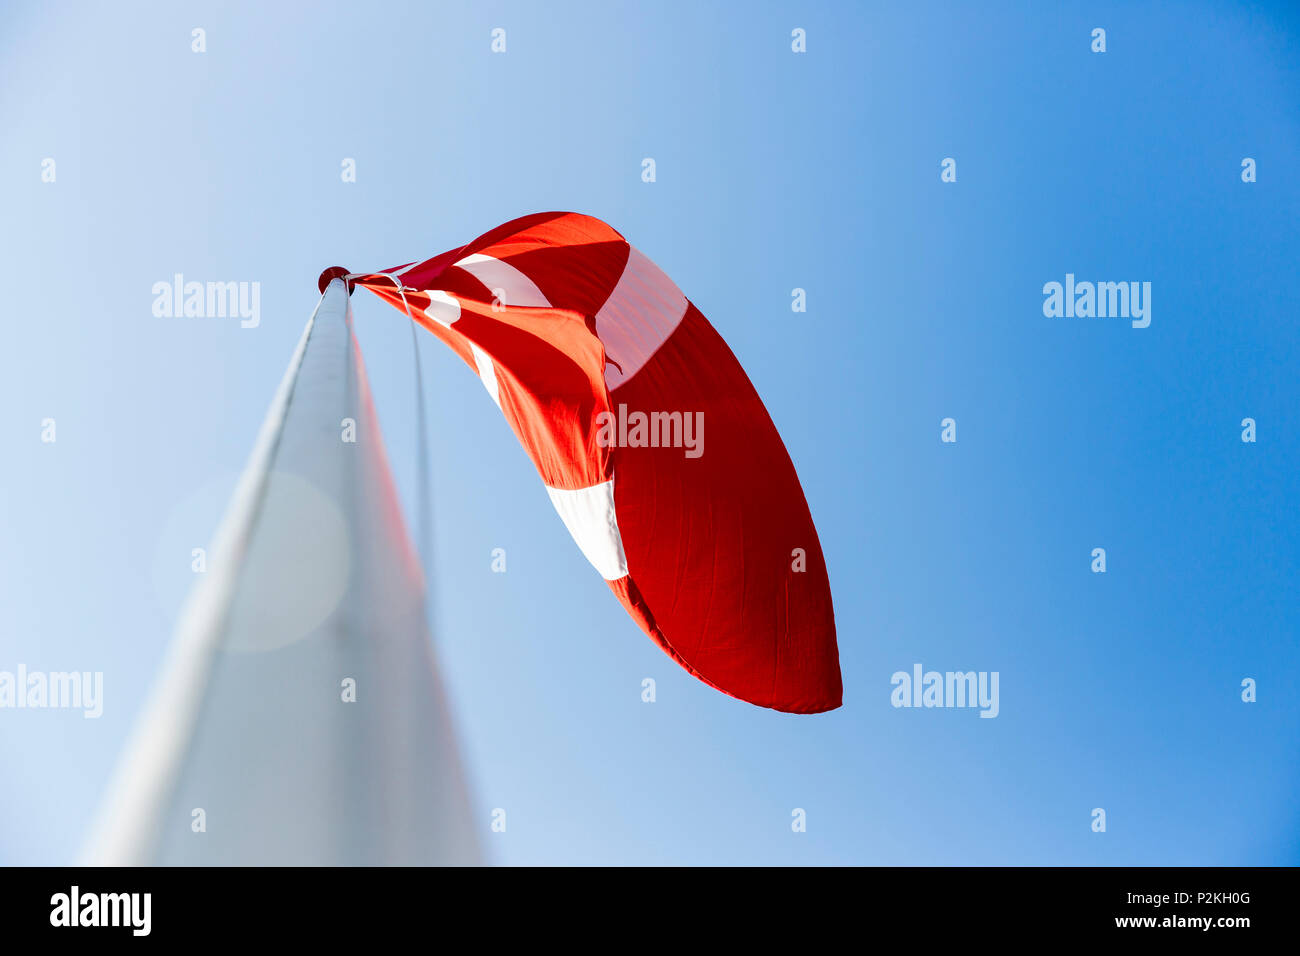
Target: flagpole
299, 717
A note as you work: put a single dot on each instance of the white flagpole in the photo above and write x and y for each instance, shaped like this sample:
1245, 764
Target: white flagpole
299, 718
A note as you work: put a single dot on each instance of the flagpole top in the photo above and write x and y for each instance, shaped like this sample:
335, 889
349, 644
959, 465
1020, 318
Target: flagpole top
334, 272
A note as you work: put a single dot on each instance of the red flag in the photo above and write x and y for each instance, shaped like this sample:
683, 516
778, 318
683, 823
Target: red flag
652, 443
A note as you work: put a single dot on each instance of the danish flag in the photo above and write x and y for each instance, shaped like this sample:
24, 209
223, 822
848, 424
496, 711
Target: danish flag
714, 554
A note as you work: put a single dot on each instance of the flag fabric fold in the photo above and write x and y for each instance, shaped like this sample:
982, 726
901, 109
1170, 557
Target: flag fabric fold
653, 445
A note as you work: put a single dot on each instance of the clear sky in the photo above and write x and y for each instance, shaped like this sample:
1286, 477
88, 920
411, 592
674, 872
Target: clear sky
775, 170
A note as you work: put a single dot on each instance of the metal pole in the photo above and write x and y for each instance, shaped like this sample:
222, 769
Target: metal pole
299, 718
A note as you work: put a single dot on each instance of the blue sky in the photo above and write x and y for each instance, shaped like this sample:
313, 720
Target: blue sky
775, 170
